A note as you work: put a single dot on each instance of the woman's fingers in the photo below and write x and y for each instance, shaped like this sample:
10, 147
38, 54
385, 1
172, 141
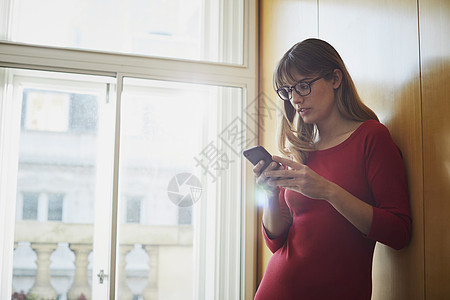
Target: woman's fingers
288, 162
257, 167
260, 174
282, 173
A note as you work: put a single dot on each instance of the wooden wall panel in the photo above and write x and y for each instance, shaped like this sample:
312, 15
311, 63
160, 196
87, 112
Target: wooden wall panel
379, 42
435, 54
282, 24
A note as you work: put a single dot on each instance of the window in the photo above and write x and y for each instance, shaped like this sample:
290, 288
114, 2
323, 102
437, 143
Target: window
185, 215
55, 207
30, 206
133, 210
75, 112
45, 111
126, 163
83, 113
42, 206
165, 28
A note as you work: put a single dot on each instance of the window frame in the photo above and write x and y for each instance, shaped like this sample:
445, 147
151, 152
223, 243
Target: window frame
119, 66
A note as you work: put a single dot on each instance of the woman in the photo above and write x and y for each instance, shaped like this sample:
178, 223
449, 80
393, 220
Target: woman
343, 189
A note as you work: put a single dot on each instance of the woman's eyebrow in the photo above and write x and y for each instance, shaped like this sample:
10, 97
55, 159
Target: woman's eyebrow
304, 79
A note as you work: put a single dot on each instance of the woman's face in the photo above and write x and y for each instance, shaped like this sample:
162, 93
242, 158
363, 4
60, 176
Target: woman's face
319, 106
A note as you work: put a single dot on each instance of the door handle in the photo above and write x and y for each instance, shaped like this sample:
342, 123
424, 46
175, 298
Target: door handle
101, 276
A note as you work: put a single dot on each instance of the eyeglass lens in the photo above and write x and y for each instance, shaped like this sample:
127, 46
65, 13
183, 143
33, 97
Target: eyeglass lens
302, 88
284, 93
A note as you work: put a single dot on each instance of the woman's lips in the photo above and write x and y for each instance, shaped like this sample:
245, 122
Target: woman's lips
303, 111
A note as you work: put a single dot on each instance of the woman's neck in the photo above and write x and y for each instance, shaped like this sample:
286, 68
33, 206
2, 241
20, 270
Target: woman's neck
333, 133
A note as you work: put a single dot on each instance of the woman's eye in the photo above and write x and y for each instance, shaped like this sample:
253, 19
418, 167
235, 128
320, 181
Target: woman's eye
302, 86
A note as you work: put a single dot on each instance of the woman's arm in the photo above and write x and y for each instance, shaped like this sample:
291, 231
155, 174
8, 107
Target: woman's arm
276, 220
358, 212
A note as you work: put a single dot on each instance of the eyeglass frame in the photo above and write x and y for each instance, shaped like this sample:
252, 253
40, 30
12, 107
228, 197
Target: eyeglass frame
293, 87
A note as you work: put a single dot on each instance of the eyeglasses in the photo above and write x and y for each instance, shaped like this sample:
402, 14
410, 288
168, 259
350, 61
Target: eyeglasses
303, 88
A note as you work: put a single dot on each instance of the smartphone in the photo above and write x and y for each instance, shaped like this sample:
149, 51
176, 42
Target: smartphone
258, 153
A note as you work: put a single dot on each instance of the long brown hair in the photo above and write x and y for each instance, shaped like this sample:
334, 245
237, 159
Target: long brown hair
314, 57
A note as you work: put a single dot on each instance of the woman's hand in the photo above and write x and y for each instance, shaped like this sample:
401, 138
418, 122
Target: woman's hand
300, 178
261, 179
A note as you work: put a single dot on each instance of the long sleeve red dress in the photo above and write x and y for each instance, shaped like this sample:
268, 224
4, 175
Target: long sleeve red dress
322, 255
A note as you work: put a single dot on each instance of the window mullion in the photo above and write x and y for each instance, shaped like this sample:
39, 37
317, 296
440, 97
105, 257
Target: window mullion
115, 194
5, 15
9, 157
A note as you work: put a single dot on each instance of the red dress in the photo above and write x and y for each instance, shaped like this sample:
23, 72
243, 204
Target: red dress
322, 255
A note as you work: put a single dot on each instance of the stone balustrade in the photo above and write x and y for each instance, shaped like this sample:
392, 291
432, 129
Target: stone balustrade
54, 260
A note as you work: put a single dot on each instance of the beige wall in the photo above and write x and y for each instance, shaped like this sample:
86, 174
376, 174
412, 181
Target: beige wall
435, 61
398, 53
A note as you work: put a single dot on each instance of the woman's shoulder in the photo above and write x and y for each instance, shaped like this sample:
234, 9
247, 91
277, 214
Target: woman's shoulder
371, 123
374, 128
375, 133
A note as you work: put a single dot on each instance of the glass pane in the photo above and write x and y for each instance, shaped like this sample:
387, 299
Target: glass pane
194, 29
56, 184
55, 207
173, 169
30, 206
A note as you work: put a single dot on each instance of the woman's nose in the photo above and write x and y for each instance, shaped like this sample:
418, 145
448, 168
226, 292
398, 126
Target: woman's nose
296, 98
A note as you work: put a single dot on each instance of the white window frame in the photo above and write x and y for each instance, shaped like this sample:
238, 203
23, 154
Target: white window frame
16, 55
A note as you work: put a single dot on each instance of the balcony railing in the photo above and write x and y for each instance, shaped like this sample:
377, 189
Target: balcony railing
54, 260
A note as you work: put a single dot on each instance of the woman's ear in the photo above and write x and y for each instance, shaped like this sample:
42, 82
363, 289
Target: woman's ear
337, 78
